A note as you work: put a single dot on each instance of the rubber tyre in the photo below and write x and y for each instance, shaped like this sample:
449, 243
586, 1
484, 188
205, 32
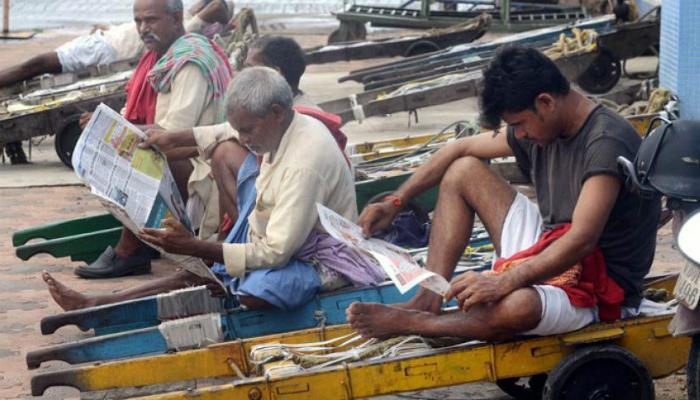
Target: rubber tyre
693, 369
599, 372
66, 138
602, 75
532, 390
348, 31
421, 47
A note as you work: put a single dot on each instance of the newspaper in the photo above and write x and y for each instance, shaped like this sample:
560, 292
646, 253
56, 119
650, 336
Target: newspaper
398, 263
134, 184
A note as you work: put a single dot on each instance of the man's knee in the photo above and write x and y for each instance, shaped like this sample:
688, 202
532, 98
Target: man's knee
228, 155
464, 173
518, 312
43, 63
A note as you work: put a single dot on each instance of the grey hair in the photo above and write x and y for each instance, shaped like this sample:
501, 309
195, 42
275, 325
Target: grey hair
174, 6
256, 89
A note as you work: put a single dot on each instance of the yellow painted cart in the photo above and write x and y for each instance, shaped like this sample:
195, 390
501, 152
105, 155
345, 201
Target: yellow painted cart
606, 360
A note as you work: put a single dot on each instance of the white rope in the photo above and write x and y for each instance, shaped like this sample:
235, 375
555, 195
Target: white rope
266, 352
187, 302
193, 332
278, 371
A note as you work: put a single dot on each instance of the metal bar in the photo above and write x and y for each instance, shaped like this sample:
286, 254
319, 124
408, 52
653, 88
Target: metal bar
74, 246
505, 12
6, 16
140, 342
127, 312
425, 8
64, 228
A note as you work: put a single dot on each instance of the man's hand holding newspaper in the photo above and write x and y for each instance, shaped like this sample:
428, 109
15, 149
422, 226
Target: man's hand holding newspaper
134, 183
172, 237
396, 262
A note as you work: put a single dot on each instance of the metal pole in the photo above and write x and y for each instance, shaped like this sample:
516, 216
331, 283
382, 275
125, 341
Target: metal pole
6, 16
425, 8
505, 12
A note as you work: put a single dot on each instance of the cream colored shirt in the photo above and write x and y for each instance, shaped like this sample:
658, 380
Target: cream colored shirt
208, 137
308, 168
190, 103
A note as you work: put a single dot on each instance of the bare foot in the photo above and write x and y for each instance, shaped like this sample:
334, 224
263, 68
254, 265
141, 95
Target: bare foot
64, 296
375, 320
424, 300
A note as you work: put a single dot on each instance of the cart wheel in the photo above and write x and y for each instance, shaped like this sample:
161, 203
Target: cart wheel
599, 373
602, 75
421, 47
66, 138
693, 369
530, 390
347, 32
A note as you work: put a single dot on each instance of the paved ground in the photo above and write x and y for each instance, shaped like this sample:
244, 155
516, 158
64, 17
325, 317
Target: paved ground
23, 298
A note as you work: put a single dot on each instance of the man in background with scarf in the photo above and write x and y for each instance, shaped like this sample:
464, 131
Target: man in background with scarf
179, 83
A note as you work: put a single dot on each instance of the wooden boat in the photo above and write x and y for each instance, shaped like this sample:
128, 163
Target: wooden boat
644, 343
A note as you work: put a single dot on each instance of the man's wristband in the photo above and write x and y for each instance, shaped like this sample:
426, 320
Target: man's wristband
394, 200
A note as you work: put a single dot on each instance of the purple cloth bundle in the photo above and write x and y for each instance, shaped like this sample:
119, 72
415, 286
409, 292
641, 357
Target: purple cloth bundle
332, 254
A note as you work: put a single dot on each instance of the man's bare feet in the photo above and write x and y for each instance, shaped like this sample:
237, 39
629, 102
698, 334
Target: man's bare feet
64, 296
375, 320
424, 300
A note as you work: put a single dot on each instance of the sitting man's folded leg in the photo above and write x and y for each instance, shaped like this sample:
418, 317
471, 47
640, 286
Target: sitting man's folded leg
226, 161
285, 288
70, 299
486, 195
539, 310
515, 313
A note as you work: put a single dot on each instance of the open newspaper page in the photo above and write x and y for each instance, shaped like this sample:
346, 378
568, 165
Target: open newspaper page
134, 184
396, 262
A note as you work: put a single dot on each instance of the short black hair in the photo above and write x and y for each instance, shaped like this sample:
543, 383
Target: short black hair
283, 53
512, 81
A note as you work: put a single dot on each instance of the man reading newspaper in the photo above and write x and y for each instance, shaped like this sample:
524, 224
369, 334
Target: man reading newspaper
276, 255
178, 83
578, 256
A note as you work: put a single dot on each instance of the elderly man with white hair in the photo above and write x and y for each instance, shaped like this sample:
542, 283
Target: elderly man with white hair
277, 252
